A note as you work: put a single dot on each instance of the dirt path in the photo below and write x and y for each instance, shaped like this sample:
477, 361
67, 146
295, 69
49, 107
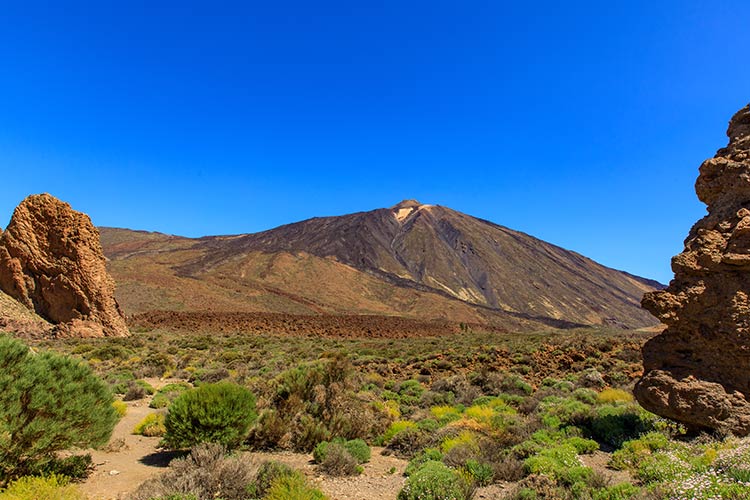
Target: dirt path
598, 461
133, 459
129, 459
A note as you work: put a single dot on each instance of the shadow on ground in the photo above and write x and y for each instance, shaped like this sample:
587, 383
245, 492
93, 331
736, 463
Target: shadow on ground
161, 458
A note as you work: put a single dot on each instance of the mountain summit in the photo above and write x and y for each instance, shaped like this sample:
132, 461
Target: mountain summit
412, 259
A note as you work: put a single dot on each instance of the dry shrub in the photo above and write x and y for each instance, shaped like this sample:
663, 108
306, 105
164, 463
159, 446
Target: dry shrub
458, 455
538, 485
462, 389
315, 402
339, 462
270, 431
509, 468
205, 473
407, 443
505, 464
134, 392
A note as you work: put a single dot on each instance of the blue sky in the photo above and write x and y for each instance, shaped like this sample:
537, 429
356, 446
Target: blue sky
581, 123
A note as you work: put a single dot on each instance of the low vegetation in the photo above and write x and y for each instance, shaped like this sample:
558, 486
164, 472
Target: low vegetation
466, 412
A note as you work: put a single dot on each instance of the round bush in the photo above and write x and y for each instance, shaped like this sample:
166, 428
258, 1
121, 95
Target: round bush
358, 449
435, 481
339, 462
152, 425
212, 413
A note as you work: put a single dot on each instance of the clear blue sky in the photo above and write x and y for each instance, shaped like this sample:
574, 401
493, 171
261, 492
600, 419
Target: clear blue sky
582, 123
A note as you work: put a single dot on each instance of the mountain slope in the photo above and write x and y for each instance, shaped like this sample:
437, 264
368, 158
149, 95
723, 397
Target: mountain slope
413, 260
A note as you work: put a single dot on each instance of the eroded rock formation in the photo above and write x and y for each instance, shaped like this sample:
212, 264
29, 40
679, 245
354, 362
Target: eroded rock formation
51, 261
698, 370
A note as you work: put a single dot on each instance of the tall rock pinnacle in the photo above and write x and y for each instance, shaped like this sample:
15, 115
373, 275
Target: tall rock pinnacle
698, 370
51, 260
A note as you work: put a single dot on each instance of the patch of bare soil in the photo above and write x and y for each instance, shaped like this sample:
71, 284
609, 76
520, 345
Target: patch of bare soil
494, 491
598, 461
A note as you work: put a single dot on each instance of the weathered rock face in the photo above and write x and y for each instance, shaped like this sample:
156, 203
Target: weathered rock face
51, 260
698, 370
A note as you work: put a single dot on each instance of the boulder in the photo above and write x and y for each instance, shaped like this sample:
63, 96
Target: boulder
698, 370
51, 261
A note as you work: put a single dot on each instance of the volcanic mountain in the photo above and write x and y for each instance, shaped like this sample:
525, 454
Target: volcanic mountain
413, 260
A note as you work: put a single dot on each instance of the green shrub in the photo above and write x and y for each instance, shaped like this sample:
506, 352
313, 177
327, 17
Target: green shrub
588, 396
481, 473
435, 481
708, 486
623, 491
167, 394
268, 473
152, 425
357, 448
615, 424
556, 411
339, 462
428, 425
560, 462
446, 414
426, 455
52, 487
120, 407
293, 487
397, 427
614, 396
662, 466
583, 446
465, 438
634, 450
73, 467
215, 413
320, 451
47, 403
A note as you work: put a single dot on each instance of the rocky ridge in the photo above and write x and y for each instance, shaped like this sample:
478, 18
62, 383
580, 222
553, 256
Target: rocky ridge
51, 261
698, 370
